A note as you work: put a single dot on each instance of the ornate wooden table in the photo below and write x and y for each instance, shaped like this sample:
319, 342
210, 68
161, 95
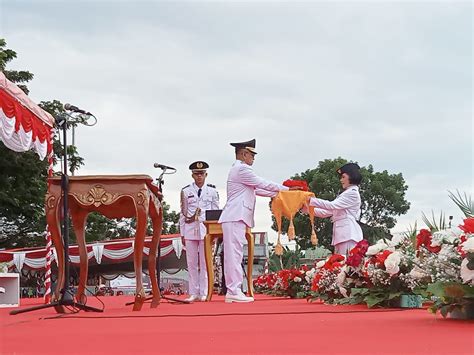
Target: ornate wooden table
114, 196
214, 230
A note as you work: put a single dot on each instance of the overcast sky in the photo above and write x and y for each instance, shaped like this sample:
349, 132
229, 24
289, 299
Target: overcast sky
381, 83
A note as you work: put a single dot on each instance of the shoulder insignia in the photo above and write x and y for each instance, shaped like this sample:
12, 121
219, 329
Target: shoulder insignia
186, 186
210, 185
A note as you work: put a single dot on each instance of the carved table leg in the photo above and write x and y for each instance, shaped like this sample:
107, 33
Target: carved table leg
157, 220
138, 254
79, 217
52, 218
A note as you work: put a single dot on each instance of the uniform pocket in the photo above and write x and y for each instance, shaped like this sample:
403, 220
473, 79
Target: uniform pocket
192, 201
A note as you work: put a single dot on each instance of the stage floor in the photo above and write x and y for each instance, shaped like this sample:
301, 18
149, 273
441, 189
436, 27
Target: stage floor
270, 325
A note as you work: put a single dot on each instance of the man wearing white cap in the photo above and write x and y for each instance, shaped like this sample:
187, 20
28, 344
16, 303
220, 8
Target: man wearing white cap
196, 198
238, 214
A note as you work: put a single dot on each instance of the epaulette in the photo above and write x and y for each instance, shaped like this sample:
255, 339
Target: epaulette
186, 186
210, 185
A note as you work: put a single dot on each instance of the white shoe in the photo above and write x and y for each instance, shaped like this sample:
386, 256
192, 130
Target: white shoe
238, 298
203, 298
192, 298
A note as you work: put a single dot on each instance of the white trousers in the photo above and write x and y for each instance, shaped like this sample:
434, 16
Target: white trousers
344, 247
234, 239
196, 261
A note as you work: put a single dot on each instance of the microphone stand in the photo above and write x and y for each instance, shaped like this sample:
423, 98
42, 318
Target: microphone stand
161, 182
67, 292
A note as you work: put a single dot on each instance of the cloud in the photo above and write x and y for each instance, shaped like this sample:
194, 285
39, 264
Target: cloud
387, 84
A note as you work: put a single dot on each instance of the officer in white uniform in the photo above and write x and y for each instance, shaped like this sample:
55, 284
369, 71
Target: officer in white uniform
238, 214
196, 198
344, 210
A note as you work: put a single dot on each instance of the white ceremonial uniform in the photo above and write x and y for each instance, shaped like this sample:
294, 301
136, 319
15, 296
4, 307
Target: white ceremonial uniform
238, 213
194, 232
344, 212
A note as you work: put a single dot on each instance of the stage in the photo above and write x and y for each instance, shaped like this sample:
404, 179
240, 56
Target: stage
270, 325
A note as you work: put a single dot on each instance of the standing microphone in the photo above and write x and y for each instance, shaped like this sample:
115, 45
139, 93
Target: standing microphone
76, 109
164, 167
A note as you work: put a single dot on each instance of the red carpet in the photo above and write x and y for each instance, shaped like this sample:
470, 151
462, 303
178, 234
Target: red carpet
267, 326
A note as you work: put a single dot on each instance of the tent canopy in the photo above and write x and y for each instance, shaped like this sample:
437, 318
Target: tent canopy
23, 124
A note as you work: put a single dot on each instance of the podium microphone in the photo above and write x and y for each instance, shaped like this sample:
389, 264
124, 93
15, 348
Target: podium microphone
72, 108
163, 167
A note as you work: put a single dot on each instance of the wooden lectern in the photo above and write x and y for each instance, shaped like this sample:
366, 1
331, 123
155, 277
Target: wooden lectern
214, 230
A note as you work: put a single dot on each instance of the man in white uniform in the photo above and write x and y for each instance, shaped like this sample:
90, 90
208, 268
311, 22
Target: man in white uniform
196, 198
344, 210
238, 214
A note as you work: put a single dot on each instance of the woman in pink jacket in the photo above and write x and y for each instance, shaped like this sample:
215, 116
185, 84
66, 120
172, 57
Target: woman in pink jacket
344, 210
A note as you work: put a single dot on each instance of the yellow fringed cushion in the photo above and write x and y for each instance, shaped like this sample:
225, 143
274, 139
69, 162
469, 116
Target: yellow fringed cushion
287, 204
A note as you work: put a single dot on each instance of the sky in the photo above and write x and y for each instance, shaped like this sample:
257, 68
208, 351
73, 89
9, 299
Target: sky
381, 83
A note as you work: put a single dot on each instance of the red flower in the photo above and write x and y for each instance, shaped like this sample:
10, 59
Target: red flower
356, 255
459, 247
335, 258
424, 239
314, 285
381, 257
300, 183
354, 260
468, 226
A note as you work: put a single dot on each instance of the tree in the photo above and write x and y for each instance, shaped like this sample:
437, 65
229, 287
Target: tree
100, 227
23, 185
382, 194
18, 77
22, 180
23, 175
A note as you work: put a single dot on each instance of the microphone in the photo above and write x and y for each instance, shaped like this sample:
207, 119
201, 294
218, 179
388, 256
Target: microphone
76, 109
163, 167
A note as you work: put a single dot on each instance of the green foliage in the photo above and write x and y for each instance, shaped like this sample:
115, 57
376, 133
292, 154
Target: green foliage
290, 259
433, 224
23, 186
382, 194
170, 220
318, 252
465, 203
449, 296
18, 77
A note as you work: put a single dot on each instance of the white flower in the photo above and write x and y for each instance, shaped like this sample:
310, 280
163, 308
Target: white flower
436, 240
376, 248
297, 279
468, 246
343, 292
392, 263
320, 264
341, 277
396, 240
417, 273
467, 275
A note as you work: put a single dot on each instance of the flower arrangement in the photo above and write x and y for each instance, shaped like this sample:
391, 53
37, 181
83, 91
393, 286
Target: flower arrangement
375, 275
328, 280
436, 264
447, 259
294, 282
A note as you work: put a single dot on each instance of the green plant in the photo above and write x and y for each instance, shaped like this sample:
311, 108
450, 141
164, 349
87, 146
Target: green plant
449, 296
432, 224
465, 203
